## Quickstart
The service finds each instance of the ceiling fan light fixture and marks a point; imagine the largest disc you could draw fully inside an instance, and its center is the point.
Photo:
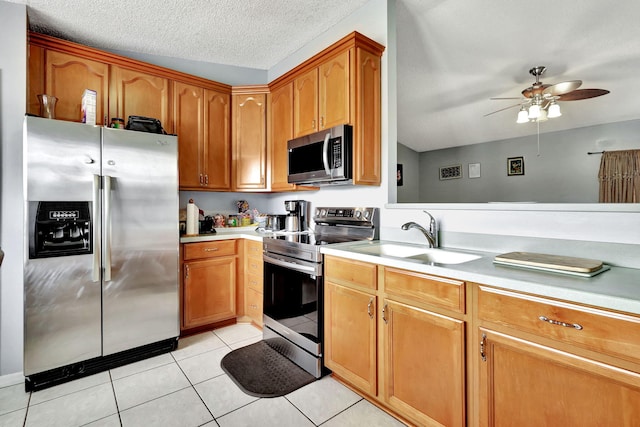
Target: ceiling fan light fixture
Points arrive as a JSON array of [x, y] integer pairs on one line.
[[534, 111], [543, 116], [554, 111], [523, 116]]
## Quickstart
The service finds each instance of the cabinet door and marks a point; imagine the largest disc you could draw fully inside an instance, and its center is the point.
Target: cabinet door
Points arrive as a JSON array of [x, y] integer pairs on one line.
[[350, 335], [35, 79], [217, 138], [424, 365], [305, 103], [67, 77], [526, 384], [188, 109], [281, 132], [366, 132], [209, 291], [254, 306], [250, 141], [334, 92], [141, 94]]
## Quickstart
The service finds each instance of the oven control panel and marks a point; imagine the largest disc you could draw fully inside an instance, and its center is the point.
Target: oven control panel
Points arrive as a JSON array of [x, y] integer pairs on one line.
[[344, 215]]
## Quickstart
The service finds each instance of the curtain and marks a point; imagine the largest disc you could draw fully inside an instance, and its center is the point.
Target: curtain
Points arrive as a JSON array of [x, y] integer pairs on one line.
[[619, 176]]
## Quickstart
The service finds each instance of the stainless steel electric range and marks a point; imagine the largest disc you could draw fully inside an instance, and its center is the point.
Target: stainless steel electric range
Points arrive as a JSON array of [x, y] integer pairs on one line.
[[294, 284]]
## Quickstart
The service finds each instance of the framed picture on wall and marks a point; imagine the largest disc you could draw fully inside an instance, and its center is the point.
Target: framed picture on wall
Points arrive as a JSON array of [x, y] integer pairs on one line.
[[515, 166], [399, 175], [450, 172]]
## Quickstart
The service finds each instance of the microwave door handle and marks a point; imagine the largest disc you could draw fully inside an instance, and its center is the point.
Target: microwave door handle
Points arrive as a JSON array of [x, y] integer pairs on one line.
[[325, 155]]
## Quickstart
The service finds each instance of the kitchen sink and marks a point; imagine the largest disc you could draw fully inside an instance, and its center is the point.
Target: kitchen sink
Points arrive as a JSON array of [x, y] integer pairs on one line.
[[415, 253]]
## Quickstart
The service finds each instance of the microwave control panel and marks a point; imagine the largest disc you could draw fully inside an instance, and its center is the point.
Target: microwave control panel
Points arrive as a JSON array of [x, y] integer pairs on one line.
[[336, 151]]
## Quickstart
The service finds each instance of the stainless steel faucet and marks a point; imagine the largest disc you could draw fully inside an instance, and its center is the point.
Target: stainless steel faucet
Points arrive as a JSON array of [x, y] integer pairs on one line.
[[431, 234]]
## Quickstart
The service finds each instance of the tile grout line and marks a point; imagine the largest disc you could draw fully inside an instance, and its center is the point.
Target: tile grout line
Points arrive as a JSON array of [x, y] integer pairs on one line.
[[194, 389], [115, 398]]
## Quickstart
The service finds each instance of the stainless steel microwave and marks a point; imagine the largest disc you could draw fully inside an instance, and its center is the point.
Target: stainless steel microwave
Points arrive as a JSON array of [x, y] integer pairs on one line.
[[322, 158]]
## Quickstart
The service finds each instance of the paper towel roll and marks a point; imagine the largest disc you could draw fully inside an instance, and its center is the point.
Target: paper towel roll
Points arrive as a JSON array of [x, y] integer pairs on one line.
[[193, 216]]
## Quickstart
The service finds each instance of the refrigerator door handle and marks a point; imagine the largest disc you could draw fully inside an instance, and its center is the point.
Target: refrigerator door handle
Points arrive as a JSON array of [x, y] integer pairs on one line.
[[106, 226], [95, 221]]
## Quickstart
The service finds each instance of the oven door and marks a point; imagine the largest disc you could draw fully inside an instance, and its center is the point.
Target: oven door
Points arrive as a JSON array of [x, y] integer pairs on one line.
[[293, 292]]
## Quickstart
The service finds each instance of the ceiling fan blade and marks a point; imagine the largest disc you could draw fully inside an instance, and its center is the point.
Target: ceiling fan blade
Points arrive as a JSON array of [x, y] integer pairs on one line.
[[562, 87], [577, 95], [502, 109]]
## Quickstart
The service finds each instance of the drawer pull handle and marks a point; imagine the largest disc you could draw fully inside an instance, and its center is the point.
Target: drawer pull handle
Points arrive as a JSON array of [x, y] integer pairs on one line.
[[370, 308], [211, 249], [559, 323], [384, 313], [483, 341]]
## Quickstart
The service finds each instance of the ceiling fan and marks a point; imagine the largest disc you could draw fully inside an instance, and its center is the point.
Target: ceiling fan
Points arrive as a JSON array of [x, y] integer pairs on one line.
[[539, 100]]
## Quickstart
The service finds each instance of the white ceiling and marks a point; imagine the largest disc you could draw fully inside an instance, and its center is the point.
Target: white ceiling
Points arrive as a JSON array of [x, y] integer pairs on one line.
[[453, 55]]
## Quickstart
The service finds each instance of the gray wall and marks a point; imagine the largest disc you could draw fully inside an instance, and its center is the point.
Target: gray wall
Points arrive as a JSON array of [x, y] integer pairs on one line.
[[13, 88], [409, 192], [563, 172]]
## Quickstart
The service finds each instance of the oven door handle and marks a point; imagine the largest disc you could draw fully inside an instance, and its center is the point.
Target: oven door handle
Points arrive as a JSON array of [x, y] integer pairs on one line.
[[292, 266]]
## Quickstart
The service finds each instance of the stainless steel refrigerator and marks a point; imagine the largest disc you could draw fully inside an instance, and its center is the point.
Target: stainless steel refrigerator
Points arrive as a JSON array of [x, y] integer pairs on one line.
[[102, 256]]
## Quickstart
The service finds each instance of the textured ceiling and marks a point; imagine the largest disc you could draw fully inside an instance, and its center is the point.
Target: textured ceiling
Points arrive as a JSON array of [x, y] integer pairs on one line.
[[247, 33], [453, 55]]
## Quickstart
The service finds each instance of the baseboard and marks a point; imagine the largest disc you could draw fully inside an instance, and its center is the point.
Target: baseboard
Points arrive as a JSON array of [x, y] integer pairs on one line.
[[11, 379]]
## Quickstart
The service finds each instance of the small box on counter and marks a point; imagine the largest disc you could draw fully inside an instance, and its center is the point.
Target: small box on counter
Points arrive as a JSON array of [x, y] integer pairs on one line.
[[89, 107]]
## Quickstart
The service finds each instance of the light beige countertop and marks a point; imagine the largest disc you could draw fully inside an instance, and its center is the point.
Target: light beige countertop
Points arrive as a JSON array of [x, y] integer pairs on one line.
[[616, 289], [224, 235]]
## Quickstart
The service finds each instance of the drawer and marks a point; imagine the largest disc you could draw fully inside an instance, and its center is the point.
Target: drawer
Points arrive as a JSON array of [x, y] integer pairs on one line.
[[350, 272], [209, 249], [254, 266], [254, 306], [423, 288], [255, 282], [598, 330], [253, 249]]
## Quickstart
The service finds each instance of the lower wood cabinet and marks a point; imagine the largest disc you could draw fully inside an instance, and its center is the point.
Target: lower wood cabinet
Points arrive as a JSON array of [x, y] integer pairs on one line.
[[350, 335], [441, 352], [548, 362], [209, 282], [408, 357], [253, 281], [424, 364], [523, 383]]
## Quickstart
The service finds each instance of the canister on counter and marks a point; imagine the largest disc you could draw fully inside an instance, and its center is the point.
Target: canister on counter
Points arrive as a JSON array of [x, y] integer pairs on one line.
[[232, 221], [117, 123]]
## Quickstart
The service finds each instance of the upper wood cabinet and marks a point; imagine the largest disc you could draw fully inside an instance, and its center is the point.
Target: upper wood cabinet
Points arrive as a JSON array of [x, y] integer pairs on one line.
[[341, 85], [281, 133], [366, 130], [334, 91], [202, 119], [136, 93], [322, 95], [250, 138], [305, 105], [66, 76], [188, 109]]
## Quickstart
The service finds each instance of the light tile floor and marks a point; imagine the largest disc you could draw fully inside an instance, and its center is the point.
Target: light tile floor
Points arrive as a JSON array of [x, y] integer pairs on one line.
[[185, 388]]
